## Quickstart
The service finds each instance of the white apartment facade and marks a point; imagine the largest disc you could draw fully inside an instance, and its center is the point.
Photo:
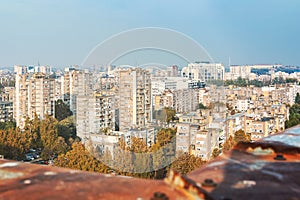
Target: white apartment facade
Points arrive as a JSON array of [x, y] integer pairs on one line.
[[204, 71], [95, 113], [33, 94]]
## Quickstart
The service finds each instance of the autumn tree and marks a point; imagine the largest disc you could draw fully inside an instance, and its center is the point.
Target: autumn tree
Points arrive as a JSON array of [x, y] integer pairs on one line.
[[81, 159], [216, 152], [165, 136], [186, 163], [170, 114], [14, 144], [239, 136]]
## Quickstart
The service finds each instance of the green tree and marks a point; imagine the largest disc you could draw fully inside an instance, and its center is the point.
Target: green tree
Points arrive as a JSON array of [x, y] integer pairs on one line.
[[294, 118], [7, 125], [297, 99], [51, 142], [67, 129], [201, 106], [62, 111]]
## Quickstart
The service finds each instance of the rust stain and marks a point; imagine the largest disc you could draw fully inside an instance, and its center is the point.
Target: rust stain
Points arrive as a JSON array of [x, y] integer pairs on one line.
[[191, 189], [260, 170]]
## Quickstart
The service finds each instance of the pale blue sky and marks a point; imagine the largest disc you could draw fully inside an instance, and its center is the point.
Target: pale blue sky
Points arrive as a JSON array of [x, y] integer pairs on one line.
[[62, 32]]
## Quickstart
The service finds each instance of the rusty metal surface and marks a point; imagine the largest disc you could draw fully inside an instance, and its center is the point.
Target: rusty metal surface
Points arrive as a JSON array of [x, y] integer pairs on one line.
[[267, 169], [30, 181]]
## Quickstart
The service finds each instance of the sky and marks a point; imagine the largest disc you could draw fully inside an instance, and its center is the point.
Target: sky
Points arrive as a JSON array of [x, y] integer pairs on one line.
[[63, 32]]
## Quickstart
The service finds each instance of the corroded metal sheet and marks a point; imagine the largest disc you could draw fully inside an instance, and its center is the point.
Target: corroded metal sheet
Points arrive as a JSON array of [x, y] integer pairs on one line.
[[267, 169]]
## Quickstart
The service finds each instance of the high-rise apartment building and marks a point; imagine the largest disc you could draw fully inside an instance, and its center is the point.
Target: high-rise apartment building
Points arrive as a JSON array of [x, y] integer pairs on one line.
[[75, 82], [95, 114], [68, 87], [34, 94], [133, 93]]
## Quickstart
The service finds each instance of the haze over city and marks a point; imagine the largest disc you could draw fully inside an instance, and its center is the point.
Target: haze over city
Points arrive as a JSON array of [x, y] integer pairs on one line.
[[62, 33], [159, 99]]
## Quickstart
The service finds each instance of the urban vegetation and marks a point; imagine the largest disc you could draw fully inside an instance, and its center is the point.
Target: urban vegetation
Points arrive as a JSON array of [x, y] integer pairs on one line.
[[48, 136], [62, 111], [294, 118], [129, 160], [242, 82], [165, 115]]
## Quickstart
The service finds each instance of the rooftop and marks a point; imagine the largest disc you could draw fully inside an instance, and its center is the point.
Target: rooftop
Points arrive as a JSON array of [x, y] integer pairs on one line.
[[267, 169]]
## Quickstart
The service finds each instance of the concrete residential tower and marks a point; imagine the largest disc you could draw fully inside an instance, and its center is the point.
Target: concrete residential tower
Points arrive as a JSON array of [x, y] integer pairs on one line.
[[133, 94]]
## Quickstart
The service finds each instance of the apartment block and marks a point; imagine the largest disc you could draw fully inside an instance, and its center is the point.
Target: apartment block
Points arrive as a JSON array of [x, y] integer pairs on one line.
[[133, 94], [160, 84], [95, 114], [204, 71], [190, 138], [6, 111], [109, 141], [186, 100], [34, 94]]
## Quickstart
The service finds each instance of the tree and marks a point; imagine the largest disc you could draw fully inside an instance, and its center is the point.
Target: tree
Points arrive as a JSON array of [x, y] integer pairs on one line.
[[7, 125], [62, 111], [216, 152], [170, 114], [67, 129], [79, 158], [239, 136], [294, 118], [186, 163], [14, 144], [165, 136], [297, 99], [228, 144], [201, 106], [291, 80]]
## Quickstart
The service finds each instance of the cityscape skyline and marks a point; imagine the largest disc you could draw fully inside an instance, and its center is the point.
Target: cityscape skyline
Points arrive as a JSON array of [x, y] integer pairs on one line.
[[161, 99], [63, 35]]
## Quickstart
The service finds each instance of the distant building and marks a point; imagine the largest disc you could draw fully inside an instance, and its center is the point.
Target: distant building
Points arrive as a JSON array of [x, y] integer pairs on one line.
[[160, 84], [183, 100], [204, 71], [237, 71]]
